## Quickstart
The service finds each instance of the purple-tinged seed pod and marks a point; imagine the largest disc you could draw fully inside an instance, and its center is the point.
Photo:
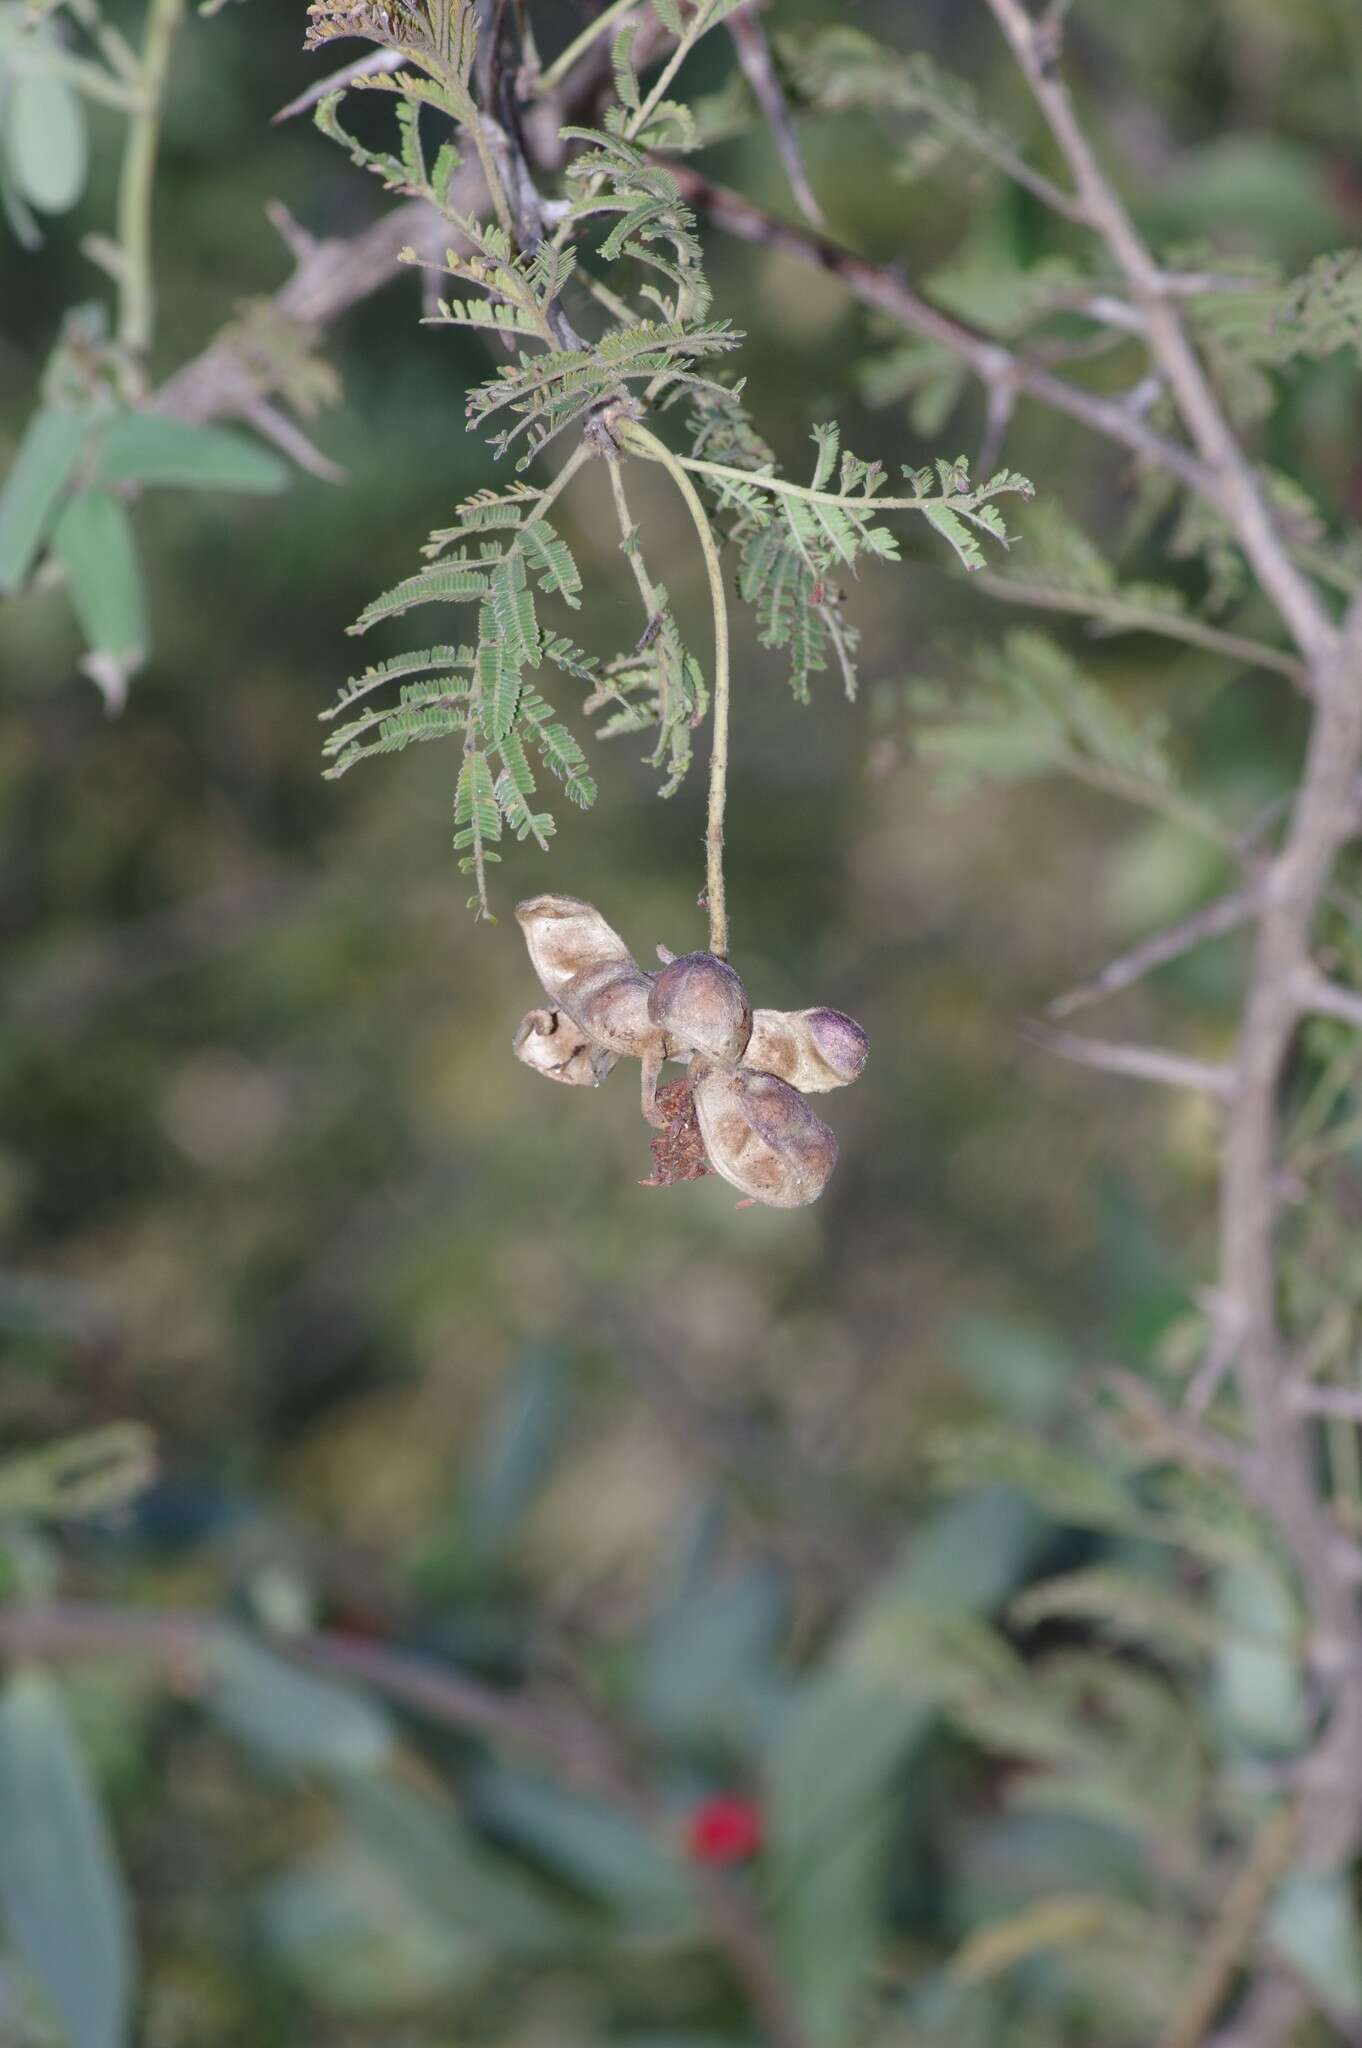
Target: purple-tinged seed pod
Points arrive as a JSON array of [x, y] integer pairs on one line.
[[813, 1050], [701, 1006], [761, 1135]]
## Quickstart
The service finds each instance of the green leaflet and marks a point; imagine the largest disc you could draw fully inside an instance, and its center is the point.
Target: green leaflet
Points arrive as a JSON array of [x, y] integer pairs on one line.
[[431, 586], [93, 541], [62, 1903], [45, 141], [32, 491], [477, 693], [622, 65], [147, 448]]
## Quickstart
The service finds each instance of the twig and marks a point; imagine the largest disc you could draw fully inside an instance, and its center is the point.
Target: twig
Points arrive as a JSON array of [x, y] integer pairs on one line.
[[1316, 993], [1323, 818], [1236, 489], [330, 277], [754, 55], [1235, 1926], [887, 291], [583, 1749], [1177, 1435], [372, 66], [290, 439], [1274, 2008], [1343, 1402], [1122, 617], [639, 441], [136, 305], [614, 15], [1140, 1062], [1211, 922]]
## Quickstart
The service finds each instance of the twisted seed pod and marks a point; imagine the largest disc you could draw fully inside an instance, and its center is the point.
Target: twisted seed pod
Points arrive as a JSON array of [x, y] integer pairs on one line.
[[567, 938], [554, 1046], [587, 970], [761, 1135], [701, 1006], [813, 1050]]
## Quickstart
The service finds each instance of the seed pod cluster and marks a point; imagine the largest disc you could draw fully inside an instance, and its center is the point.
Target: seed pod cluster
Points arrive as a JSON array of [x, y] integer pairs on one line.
[[744, 1115]]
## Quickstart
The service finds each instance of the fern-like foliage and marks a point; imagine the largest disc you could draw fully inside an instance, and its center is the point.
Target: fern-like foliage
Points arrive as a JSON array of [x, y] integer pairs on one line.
[[1060, 560], [843, 70], [794, 545], [613, 180], [657, 686], [499, 555], [1032, 711], [619, 252]]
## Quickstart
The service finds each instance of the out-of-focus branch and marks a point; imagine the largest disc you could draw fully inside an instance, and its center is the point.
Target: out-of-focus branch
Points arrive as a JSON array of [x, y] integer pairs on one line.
[[1211, 922], [1116, 615], [886, 290], [582, 1748], [329, 277], [1139, 1062], [1282, 984], [1237, 490], [758, 65], [1236, 1925]]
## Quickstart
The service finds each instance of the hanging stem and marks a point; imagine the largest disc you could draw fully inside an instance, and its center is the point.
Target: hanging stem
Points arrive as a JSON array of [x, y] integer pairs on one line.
[[136, 299], [577, 49], [639, 441]]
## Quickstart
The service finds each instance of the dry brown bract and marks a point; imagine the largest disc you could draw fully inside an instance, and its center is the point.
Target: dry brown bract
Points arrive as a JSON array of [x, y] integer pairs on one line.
[[740, 1112]]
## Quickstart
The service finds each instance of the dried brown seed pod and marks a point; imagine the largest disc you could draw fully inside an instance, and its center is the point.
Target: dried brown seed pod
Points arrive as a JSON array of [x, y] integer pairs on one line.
[[701, 1006], [567, 938], [610, 1002], [588, 971], [551, 1043], [813, 1050], [762, 1136]]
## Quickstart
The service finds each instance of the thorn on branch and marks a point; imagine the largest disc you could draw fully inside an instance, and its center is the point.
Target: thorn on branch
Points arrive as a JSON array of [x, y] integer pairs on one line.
[[290, 440], [299, 242], [1139, 1062], [1324, 998]]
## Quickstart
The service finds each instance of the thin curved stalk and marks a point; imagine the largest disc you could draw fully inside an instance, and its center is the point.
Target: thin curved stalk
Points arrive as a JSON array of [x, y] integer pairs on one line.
[[577, 49], [136, 299], [639, 441]]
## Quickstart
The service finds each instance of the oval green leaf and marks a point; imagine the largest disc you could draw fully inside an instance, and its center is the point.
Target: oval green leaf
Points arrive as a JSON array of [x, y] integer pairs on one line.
[[62, 1903], [93, 540], [292, 1716], [46, 142], [147, 448], [32, 491]]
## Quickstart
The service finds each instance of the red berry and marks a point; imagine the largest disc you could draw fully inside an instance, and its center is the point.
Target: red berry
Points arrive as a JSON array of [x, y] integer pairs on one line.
[[724, 1829]]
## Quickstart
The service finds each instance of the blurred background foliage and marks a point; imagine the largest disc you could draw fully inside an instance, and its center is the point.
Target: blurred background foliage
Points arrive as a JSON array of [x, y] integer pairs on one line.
[[425, 1366]]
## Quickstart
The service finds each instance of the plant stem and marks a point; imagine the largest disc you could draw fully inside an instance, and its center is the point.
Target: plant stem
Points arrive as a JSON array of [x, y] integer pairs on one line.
[[1114, 612], [859, 502], [92, 79], [638, 441], [628, 532], [579, 46], [638, 120], [137, 304]]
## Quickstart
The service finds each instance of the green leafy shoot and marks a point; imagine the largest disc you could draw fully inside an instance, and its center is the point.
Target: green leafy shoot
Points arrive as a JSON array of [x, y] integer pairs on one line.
[[500, 554], [1032, 711]]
